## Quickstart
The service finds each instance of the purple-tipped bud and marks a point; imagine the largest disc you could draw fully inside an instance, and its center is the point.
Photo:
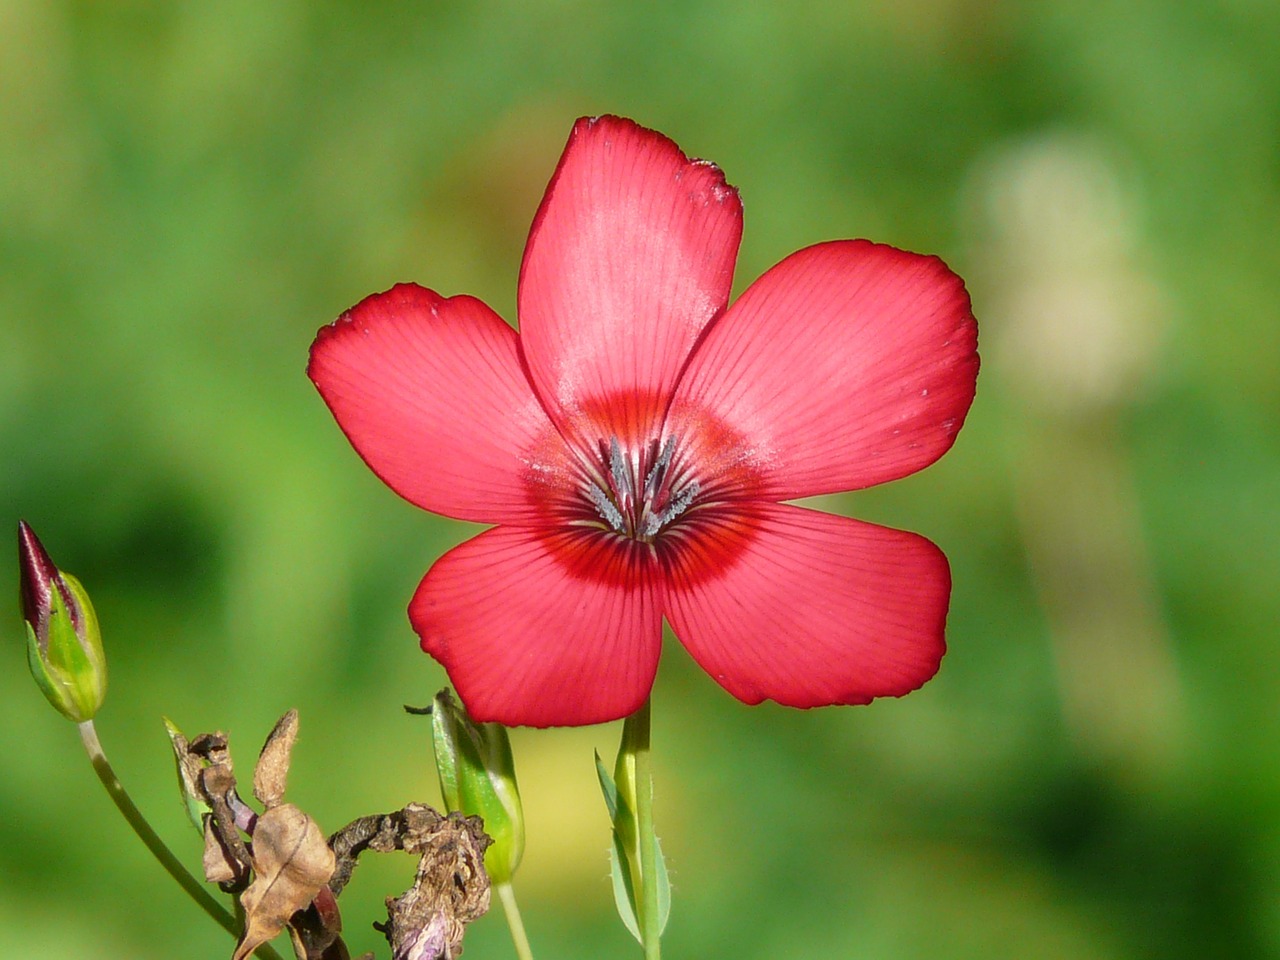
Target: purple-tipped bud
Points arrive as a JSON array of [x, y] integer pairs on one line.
[[64, 645]]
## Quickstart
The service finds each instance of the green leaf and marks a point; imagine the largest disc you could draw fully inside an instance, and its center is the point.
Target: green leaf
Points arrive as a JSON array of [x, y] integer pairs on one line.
[[624, 894], [664, 886], [608, 787], [624, 858]]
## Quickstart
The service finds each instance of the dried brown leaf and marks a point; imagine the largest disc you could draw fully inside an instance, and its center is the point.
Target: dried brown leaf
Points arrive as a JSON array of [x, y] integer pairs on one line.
[[317, 931], [218, 786], [291, 862], [218, 779], [272, 771], [220, 865], [451, 890], [213, 747]]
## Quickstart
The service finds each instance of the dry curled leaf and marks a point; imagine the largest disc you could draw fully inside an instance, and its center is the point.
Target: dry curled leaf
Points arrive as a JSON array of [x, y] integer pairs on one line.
[[214, 749], [291, 862], [220, 864], [217, 790], [272, 771], [380, 833], [451, 890], [317, 931]]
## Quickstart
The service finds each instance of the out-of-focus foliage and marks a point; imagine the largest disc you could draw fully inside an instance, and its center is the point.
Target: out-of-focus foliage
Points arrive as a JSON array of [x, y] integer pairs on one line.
[[187, 191]]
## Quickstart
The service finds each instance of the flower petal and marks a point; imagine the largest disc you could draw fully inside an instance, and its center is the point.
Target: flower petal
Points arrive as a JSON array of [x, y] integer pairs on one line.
[[543, 628], [431, 394], [813, 610], [847, 364], [630, 256]]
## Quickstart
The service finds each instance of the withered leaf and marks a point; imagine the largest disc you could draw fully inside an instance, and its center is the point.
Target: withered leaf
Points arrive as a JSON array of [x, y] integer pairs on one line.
[[291, 862], [272, 771], [317, 931], [218, 779], [451, 890], [213, 747], [220, 865]]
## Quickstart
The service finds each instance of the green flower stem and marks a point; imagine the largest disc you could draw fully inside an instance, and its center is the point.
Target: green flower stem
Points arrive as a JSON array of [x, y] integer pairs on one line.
[[507, 894], [120, 797], [635, 736]]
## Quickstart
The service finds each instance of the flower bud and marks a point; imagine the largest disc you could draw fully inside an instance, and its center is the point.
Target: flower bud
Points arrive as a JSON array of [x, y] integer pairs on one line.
[[64, 645], [478, 777]]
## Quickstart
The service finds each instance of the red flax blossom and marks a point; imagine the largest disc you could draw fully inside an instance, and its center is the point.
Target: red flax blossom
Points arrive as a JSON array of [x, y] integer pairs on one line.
[[634, 442]]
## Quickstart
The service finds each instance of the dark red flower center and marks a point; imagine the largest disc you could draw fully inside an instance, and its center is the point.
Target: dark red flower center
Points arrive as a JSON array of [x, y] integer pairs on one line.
[[637, 493], [657, 493]]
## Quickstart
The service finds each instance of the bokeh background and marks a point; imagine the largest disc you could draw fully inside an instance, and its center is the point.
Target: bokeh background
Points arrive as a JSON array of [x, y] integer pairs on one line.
[[188, 191]]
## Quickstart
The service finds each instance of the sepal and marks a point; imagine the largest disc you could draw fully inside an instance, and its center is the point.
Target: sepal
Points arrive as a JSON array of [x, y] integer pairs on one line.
[[478, 777]]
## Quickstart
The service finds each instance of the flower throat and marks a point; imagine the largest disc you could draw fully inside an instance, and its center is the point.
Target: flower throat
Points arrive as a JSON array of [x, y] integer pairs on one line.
[[635, 493]]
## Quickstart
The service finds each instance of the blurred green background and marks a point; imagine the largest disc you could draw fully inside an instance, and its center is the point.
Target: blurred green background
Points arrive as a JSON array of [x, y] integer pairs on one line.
[[187, 191]]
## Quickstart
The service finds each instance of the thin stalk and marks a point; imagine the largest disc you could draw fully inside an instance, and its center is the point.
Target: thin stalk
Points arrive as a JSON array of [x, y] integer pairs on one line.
[[507, 894], [638, 741], [120, 797]]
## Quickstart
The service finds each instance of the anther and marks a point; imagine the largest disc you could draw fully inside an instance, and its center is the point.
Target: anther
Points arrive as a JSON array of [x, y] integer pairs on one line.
[[629, 507], [654, 522], [622, 478], [605, 507]]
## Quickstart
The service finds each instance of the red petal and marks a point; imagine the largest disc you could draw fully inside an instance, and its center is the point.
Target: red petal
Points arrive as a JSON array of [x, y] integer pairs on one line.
[[543, 629], [847, 364], [813, 610], [431, 394], [630, 256]]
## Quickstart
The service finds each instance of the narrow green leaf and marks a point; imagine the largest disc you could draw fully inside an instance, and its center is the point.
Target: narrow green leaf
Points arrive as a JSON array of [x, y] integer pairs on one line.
[[664, 886], [624, 894], [624, 861], [608, 788]]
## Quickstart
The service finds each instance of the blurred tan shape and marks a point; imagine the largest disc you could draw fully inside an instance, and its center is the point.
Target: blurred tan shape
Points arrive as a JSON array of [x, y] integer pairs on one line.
[[1073, 324]]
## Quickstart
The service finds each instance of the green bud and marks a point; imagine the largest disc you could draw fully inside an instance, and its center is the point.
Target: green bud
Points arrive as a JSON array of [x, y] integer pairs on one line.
[[64, 645], [478, 777]]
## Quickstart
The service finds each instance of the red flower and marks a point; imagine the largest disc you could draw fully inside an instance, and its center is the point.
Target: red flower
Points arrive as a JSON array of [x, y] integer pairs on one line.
[[634, 442]]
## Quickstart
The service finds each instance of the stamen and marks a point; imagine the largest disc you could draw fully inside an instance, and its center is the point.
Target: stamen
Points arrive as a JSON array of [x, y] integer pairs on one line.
[[635, 510], [605, 507], [658, 472], [623, 482], [656, 521]]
